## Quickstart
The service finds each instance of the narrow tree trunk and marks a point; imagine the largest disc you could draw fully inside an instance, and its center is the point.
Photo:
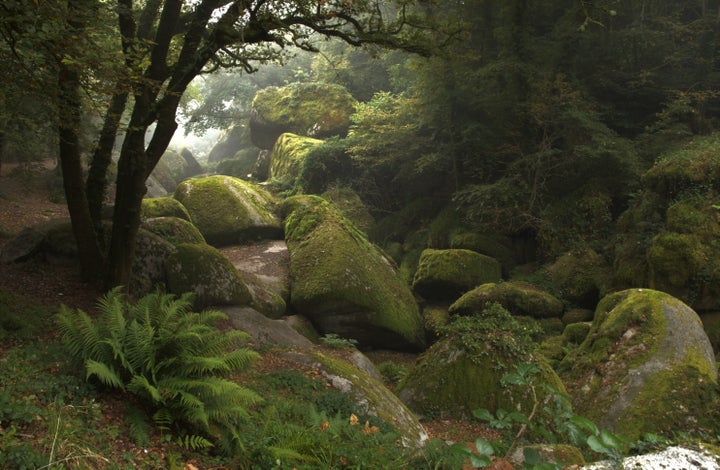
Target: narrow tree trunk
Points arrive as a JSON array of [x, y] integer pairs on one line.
[[128, 201], [90, 257]]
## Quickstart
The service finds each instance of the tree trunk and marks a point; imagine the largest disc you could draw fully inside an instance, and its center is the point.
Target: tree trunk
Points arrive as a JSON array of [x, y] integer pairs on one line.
[[90, 257]]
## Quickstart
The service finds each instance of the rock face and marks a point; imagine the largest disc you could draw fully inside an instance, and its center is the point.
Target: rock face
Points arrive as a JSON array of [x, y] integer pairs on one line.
[[645, 365], [148, 268], [446, 274], [205, 271], [343, 283], [520, 298], [228, 210], [308, 109]]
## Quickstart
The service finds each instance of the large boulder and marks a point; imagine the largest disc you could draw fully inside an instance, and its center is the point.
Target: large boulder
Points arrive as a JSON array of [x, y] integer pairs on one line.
[[463, 371], [581, 277], [202, 269], [520, 298], [148, 265], [447, 274], [646, 365], [228, 210], [343, 283], [287, 156], [310, 109]]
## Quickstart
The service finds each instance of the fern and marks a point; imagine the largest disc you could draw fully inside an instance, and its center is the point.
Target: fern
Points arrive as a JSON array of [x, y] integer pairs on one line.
[[194, 442], [170, 357]]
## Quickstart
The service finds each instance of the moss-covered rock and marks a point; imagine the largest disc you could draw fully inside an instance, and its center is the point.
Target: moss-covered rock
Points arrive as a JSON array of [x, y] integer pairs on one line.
[[463, 371], [577, 315], [562, 454], [228, 210], [174, 230], [490, 245], [576, 333], [202, 269], [149, 263], [310, 109], [343, 283], [520, 298], [288, 155], [166, 206], [446, 274], [371, 396], [645, 366], [674, 259], [435, 318], [580, 276]]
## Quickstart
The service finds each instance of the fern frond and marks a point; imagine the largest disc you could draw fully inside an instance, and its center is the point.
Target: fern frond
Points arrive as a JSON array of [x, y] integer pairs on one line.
[[240, 359], [163, 418], [139, 427], [104, 373], [140, 347], [79, 332], [194, 442], [140, 385]]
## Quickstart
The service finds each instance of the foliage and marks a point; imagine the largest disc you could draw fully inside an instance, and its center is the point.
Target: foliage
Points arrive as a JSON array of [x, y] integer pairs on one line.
[[332, 340], [557, 424], [21, 319], [170, 357], [494, 330]]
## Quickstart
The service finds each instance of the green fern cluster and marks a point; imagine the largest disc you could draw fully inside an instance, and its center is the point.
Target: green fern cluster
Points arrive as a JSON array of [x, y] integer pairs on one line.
[[169, 356]]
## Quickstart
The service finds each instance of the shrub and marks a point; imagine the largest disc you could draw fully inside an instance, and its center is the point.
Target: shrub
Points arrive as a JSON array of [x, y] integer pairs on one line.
[[170, 357]]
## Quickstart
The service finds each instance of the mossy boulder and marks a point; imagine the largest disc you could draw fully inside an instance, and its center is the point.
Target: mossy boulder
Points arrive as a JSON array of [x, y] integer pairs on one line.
[[166, 206], [674, 260], [646, 365], [463, 370], [581, 277], [202, 269], [371, 396], [576, 333], [491, 245], [287, 156], [343, 283], [311, 109], [148, 265], [174, 230], [446, 274], [229, 210], [520, 298]]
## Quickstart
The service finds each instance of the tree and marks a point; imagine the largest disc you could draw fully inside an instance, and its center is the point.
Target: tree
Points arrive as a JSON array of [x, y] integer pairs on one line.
[[165, 45]]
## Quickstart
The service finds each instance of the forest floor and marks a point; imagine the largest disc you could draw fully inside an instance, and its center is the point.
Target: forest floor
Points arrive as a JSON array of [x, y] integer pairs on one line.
[[25, 200]]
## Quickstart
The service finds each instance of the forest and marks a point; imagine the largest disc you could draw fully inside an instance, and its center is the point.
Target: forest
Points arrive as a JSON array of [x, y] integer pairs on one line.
[[511, 207]]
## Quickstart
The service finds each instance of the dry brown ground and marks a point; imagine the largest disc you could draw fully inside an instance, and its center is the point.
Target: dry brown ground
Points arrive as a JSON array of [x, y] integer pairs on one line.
[[25, 201]]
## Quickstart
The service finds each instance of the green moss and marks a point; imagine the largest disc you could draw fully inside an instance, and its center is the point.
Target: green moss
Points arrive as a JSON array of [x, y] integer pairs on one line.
[[486, 244], [636, 373], [205, 271], [372, 392], [334, 269], [228, 210], [576, 332], [163, 207], [694, 215], [518, 297], [300, 106], [449, 273], [577, 315], [174, 230], [435, 318], [288, 153], [463, 371], [580, 276], [351, 207], [567, 455]]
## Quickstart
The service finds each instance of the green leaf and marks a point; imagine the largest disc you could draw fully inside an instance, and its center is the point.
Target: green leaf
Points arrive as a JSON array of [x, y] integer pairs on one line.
[[532, 456], [611, 440], [480, 461], [484, 447], [483, 414], [596, 445], [585, 424], [518, 417]]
